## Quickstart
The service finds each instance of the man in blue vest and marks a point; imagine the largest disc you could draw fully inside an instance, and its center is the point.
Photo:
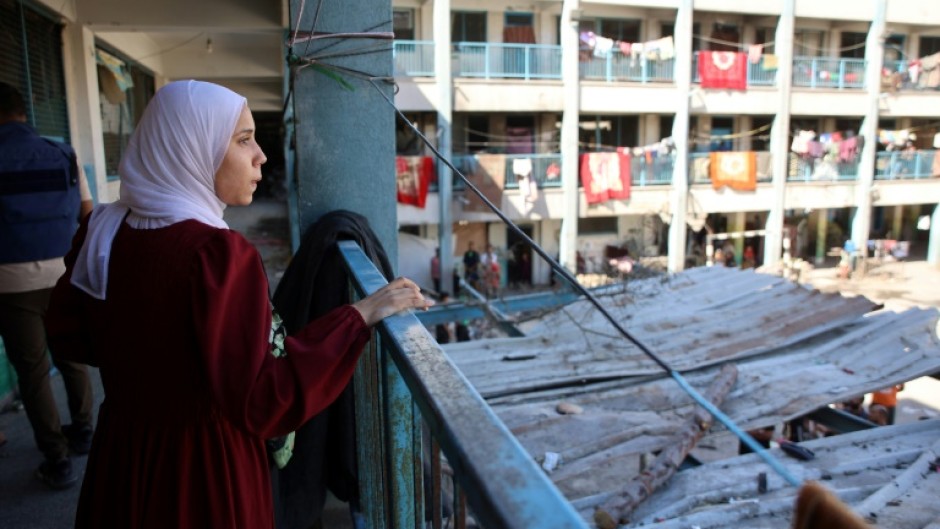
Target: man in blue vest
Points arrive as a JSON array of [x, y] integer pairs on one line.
[[42, 196]]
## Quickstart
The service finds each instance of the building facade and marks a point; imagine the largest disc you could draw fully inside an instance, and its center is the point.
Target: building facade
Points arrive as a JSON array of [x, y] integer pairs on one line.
[[827, 112]]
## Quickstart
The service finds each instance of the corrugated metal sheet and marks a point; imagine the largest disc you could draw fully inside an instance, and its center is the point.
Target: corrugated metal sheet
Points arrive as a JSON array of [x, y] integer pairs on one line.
[[885, 474], [796, 350]]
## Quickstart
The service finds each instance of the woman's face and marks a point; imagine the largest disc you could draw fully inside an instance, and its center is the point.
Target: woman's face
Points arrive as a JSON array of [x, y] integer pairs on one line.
[[240, 172]]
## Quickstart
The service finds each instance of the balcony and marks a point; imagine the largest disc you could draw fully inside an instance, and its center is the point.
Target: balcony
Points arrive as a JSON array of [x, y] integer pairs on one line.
[[904, 165], [486, 60], [803, 169], [619, 67], [828, 72], [412, 405], [413, 58]]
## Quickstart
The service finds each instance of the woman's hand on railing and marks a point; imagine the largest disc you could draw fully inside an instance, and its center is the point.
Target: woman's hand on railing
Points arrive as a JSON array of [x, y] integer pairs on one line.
[[394, 297]]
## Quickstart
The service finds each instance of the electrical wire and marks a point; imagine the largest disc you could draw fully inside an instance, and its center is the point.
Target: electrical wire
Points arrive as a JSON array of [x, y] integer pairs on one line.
[[171, 48]]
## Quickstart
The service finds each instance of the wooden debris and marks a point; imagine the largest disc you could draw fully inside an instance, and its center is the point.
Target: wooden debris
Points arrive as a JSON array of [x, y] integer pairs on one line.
[[617, 509]]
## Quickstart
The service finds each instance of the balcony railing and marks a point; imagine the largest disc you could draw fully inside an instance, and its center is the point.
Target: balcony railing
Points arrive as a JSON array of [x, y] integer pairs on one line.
[[901, 165], [805, 169], [828, 72], [405, 387], [413, 58], [619, 67], [507, 61], [646, 172]]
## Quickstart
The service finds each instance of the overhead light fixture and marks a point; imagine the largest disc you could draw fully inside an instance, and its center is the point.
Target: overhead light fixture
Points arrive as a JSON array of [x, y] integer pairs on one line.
[[209, 45]]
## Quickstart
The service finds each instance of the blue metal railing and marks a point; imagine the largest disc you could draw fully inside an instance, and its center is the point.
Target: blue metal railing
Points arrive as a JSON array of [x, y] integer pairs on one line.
[[413, 58], [509, 61], [616, 66], [405, 383], [655, 171], [805, 169], [828, 72], [904, 165]]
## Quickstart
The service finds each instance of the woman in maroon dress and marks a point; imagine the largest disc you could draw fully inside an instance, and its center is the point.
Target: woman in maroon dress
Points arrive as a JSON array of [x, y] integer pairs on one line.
[[173, 307]]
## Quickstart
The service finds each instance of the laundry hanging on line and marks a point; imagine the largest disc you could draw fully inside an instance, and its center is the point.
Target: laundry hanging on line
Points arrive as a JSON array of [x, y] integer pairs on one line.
[[737, 170], [605, 176], [723, 70], [413, 175]]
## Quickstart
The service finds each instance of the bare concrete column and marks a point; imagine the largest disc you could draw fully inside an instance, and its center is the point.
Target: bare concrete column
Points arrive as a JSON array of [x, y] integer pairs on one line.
[[445, 99], [779, 135], [81, 82], [874, 57], [571, 82], [680, 134]]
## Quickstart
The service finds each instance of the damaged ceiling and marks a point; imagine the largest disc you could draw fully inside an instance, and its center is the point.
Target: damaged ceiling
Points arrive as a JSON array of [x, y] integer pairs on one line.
[[795, 349]]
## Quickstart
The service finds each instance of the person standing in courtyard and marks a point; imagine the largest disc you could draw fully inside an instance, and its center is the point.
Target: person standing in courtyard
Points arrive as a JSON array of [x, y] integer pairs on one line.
[[43, 194], [173, 307], [888, 397]]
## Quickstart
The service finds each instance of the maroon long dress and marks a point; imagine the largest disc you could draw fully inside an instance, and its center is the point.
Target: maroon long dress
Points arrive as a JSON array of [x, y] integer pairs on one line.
[[191, 387]]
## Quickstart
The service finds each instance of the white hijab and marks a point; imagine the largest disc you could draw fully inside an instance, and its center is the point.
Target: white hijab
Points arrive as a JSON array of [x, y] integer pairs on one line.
[[167, 172]]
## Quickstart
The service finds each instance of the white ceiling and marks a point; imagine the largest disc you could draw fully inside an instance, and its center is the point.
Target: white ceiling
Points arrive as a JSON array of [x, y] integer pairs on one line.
[[171, 38]]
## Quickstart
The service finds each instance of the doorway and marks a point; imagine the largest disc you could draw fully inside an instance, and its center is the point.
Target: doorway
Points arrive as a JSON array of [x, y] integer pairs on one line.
[[519, 258]]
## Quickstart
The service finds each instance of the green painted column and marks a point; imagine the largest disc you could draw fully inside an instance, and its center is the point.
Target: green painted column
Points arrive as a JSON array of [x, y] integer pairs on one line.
[[345, 131]]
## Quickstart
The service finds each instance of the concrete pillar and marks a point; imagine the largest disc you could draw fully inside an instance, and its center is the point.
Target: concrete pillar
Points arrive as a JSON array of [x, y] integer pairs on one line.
[[897, 222], [874, 56], [445, 97], [335, 126], [745, 123], [546, 234], [738, 223], [680, 133], [571, 83], [545, 130], [651, 132], [933, 241], [822, 227], [780, 135], [81, 84]]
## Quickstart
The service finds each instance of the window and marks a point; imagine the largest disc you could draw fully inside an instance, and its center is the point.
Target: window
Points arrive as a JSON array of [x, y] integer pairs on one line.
[[514, 20], [520, 134], [478, 133], [669, 30], [619, 29], [724, 37], [765, 36], [599, 133], [761, 140], [894, 48], [403, 24], [125, 90], [928, 46], [597, 225], [41, 80], [852, 45], [468, 26]]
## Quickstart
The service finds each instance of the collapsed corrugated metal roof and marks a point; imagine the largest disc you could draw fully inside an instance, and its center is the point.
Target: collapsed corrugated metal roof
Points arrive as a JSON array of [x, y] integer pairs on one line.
[[796, 350]]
